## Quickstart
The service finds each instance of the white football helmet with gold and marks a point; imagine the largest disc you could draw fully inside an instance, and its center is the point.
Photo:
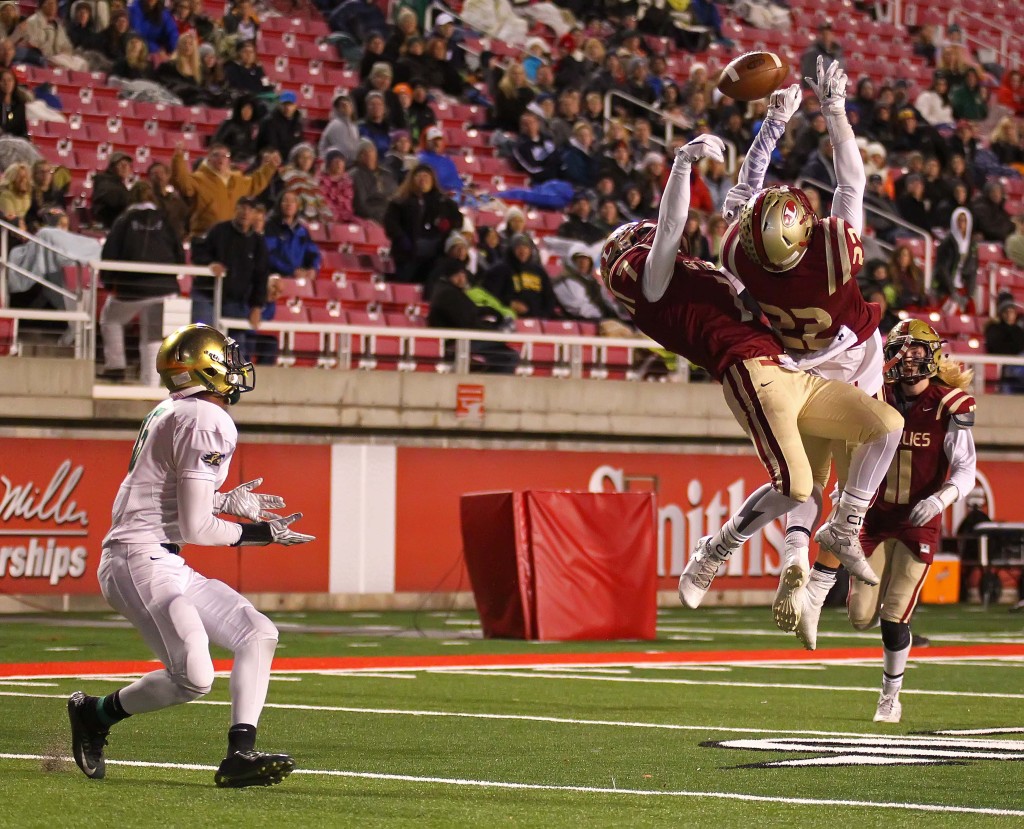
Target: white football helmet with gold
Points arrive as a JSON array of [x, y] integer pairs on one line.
[[200, 357]]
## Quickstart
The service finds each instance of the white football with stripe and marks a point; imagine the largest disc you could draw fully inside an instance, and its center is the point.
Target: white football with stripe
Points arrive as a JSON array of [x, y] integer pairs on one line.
[[753, 75]]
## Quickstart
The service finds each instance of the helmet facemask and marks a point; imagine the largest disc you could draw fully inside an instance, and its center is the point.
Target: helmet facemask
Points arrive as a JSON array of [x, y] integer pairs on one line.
[[904, 336], [624, 238]]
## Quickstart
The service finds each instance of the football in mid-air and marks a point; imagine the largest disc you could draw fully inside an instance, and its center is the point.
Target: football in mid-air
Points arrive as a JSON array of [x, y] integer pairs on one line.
[[753, 75]]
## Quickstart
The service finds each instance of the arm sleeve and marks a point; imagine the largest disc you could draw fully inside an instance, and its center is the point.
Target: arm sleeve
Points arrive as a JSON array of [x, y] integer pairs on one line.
[[751, 176], [848, 202], [675, 206], [959, 448], [196, 518]]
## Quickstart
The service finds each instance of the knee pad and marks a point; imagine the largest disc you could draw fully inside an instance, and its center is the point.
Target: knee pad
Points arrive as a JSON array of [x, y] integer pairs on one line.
[[895, 635], [259, 627]]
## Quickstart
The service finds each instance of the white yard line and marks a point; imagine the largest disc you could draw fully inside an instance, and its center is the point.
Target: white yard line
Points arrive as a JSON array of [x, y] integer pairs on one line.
[[498, 784], [474, 715]]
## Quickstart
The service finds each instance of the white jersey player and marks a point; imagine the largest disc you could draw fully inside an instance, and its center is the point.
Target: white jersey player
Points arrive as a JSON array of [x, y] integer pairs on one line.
[[169, 498]]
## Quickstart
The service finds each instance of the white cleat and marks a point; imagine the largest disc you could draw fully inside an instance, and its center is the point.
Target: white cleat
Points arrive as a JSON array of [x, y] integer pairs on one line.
[[699, 572], [807, 621], [889, 709], [846, 547], [788, 605]]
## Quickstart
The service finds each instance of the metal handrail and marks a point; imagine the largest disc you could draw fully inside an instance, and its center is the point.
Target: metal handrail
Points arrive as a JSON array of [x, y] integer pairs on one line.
[[670, 125], [892, 217], [1007, 59]]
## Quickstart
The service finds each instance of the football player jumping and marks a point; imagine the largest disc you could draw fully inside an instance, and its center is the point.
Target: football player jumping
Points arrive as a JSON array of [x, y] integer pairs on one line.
[[167, 499], [801, 271], [933, 469], [692, 308]]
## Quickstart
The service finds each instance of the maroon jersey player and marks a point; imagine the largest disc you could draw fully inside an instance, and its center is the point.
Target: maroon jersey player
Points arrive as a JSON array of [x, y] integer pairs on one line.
[[801, 271], [933, 468], [693, 309]]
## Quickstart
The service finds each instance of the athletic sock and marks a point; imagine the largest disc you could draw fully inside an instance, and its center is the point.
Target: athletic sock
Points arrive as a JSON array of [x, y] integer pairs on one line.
[[762, 507], [891, 684], [849, 516], [822, 580], [109, 709], [241, 737]]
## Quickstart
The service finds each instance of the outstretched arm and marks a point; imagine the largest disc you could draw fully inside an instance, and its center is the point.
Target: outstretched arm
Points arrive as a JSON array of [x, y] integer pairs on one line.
[[781, 106], [672, 215], [848, 202]]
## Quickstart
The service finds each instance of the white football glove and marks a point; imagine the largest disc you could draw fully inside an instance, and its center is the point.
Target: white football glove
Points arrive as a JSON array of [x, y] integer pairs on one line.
[[282, 535], [926, 510], [782, 103], [242, 502], [737, 196], [830, 87], [703, 146]]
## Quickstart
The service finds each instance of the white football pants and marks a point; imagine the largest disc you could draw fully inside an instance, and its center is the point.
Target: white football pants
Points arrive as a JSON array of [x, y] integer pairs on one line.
[[179, 612]]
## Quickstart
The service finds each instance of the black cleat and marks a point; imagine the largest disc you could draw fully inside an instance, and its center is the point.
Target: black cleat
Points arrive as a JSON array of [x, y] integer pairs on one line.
[[88, 737], [253, 768]]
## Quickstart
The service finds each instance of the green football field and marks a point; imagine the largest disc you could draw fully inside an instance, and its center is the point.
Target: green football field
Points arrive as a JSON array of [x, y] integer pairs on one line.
[[402, 719]]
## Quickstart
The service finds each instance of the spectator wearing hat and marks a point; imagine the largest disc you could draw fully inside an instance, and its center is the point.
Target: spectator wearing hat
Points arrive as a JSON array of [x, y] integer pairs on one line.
[[154, 21], [372, 185], [342, 131], [418, 220], [291, 251], [380, 81], [214, 187], [297, 177], [412, 65], [245, 73], [969, 99], [653, 177], [990, 217], [955, 276], [238, 256], [400, 158], [1005, 336], [934, 103], [451, 307], [168, 199], [912, 205], [433, 154], [579, 165], [240, 132], [282, 127], [912, 136], [537, 53], [374, 125], [140, 234], [373, 52], [110, 189], [456, 252], [515, 222], [336, 186], [826, 47], [534, 152], [521, 282], [446, 29], [242, 20]]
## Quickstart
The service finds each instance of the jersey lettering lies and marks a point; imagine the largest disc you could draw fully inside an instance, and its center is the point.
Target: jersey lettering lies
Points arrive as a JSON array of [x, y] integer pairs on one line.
[[810, 302], [700, 317]]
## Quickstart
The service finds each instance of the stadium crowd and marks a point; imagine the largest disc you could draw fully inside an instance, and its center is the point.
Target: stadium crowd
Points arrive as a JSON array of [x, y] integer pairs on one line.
[[936, 158]]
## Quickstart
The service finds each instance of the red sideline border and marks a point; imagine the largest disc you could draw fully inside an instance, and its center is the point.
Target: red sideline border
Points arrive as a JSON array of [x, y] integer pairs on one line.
[[518, 660]]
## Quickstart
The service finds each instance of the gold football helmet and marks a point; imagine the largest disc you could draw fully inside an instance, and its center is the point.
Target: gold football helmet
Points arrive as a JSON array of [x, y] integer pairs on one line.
[[904, 335], [200, 356], [776, 227], [623, 238]]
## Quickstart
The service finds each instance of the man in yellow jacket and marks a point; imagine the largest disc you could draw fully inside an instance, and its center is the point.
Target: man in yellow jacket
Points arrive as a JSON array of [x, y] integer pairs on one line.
[[214, 188]]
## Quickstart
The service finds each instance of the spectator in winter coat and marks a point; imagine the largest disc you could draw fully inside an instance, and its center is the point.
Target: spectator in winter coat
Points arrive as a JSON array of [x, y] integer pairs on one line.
[[214, 188], [579, 163], [290, 249], [110, 189], [44, 31], [521, 282], [282, 128], [934, 104], [341, 132], [244, 73], [81, 28], [578, 225], [239, 133], [242, 20], [372, 185], [912, 205], [582, 296], [13, 119], [154, 21], [968, 99], [418, 220], [140, 234], [297, 177], [136, 64], [511, 98], [956, 263], [336, 186], [990, 216], [1005, 336], [375, 125], [444, 168]]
